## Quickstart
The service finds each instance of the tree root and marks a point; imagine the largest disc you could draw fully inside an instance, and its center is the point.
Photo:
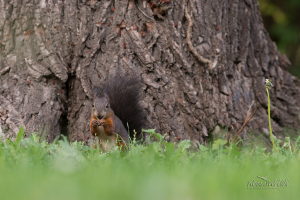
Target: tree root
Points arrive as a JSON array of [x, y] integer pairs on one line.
[[188, 39]]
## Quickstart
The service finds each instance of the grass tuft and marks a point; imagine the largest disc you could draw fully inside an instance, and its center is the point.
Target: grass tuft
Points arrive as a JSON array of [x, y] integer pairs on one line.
[[30, 169]]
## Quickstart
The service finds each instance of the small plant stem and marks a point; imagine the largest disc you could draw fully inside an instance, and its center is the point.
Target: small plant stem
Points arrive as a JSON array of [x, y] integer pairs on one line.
[[269, 115]]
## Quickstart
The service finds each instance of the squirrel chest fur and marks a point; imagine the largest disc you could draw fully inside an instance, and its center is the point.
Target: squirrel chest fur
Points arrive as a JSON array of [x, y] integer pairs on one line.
[[116, 105]]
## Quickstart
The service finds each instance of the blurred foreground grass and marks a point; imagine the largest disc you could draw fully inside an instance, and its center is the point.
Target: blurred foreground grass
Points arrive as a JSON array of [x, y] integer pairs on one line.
[[33, 170]]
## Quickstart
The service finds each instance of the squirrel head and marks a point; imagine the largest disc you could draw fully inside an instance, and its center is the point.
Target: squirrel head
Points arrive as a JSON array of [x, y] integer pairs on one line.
[[101, 106]]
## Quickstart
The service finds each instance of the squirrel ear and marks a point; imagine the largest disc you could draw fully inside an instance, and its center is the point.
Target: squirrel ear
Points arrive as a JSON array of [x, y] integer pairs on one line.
[[105, 94], [96, 92]]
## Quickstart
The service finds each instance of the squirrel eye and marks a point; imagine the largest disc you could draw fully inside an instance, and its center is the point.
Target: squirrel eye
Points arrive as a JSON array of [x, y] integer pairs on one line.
[[93, 105], [107, 105]]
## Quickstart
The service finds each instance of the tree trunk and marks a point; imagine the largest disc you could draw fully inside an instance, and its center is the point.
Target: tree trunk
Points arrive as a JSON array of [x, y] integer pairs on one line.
[[202, 63]]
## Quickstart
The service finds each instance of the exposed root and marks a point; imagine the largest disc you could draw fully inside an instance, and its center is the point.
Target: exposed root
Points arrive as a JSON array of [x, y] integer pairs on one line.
[[188, 39]]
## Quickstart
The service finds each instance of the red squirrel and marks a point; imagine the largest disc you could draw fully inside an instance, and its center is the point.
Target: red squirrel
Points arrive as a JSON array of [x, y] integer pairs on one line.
[[117, 111]]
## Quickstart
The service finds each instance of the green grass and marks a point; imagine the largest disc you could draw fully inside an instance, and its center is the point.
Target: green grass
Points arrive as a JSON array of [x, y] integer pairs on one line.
[[36, 170]]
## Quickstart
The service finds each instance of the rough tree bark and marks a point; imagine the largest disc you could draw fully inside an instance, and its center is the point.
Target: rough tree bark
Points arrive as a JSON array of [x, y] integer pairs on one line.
[[52, 51]]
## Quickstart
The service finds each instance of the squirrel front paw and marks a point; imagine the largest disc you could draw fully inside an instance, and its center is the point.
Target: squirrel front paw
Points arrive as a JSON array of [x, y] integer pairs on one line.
[[95, 123], [101, 122]]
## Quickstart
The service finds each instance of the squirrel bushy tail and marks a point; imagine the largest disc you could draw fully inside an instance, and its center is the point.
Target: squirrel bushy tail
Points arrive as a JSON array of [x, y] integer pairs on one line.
[[124, 93]]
